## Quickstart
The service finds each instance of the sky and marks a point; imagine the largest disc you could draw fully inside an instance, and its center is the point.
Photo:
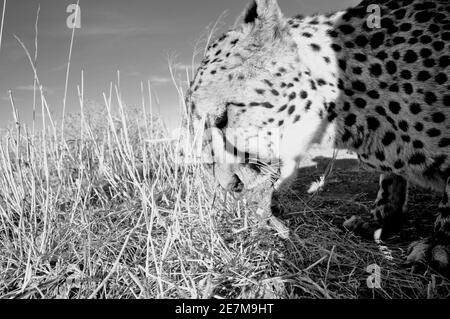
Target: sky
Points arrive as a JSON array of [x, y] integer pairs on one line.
[[135, 37]]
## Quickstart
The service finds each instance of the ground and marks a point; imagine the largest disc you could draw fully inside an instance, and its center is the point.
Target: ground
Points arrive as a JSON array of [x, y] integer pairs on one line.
[[321, 259], [350, 190]]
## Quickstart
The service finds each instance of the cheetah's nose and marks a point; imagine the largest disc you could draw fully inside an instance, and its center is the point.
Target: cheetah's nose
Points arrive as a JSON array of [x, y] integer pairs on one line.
[[232, 184], [237, 185], [228, 180]]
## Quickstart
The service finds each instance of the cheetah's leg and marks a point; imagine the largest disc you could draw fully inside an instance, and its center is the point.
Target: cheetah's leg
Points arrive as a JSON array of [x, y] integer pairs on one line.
[[436, 249], [288, 170], [388, 211]]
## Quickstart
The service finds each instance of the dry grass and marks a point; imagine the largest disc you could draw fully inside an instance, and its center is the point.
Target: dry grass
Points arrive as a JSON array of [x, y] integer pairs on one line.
[[104, 209], [109, 215]]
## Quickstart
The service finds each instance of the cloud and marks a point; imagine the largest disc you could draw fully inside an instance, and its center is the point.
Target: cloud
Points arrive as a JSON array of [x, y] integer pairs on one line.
[[134, 74], [4, 97], [62, 66], [105, 31], [155, 79], [118, 26], [183, 67], [15, 53], [31, 88], [160, 79]]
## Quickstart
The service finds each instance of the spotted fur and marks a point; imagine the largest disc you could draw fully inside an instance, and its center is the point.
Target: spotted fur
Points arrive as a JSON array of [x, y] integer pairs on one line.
[[383, 93]]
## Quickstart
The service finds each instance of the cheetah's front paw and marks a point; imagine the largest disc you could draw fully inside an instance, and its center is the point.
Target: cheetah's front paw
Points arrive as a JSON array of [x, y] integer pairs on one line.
[[362, 228], [429, 251]]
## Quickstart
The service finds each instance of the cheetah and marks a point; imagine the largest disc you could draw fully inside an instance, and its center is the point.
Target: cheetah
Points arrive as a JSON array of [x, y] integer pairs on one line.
[[374, 78]]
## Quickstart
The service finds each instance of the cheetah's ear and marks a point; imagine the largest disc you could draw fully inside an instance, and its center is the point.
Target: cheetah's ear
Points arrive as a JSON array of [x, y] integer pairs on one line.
[[264, 12]]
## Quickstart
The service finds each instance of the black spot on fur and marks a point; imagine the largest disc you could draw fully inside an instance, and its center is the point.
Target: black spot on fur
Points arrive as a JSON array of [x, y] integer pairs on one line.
[[336, 47], [284, 107], [359, 86], [444, 142], [419, 127], [388, 138], [394, 107], [380, 110], [349, 92], [418, 144], [268, 83], [441, 78], [350, 120], [360, 57], [423, 16], [361, 41], [391, 67], [291, 109], [408, 88], [417, 159], [425, 53], [438, 45], [376, 70], [332, 116], [406, 74], [357, 70], [360, 103], [267, 105], [397, 41], [415, 108], [444, 61], [446, 100], [377, 40], [430, 98], [423, 76], [438, 117], [382, 55], [346, 29], [405, 27], [425, 39], [304, 94], [399, 164], [403, 125], [332, 33], [380, 156], [406, 138], [410, 56], [315, 47], [373, 94], [308, 105], [373, 123], [433, 132], [429, 63]]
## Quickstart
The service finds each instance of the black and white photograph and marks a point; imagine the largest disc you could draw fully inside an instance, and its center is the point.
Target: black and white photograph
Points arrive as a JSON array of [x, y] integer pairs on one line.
[[225, 156]]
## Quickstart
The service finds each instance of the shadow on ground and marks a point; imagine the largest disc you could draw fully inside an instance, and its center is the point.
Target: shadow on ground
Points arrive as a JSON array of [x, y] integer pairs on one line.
[[351, 190], [315, 222]]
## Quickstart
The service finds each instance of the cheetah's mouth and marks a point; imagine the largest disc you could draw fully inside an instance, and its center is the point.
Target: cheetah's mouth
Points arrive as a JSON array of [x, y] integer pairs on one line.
[[248, 174], [239, 177]]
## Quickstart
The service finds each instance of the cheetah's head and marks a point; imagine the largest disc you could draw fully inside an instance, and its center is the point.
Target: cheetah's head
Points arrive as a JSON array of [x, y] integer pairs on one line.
[[244, 89]]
